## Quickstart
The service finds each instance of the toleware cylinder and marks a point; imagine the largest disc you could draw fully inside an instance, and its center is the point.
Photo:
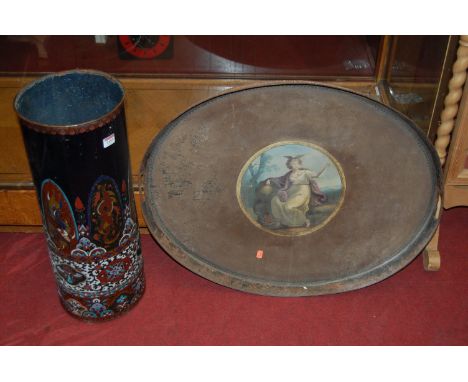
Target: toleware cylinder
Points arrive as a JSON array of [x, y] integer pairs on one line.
[[74, 131]]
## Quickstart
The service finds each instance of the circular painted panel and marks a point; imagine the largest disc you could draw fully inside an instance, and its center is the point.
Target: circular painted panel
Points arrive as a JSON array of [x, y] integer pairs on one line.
[[291, 189]]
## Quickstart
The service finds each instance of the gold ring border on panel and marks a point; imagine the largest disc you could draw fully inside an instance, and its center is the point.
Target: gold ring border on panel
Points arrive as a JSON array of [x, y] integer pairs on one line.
[[296, 142]]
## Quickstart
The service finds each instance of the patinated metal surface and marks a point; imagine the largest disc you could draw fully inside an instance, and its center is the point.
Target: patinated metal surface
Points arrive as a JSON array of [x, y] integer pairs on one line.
[[384, 216]]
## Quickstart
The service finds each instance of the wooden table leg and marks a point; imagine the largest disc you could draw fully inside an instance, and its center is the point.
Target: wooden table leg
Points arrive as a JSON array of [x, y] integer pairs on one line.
[[431, 255]]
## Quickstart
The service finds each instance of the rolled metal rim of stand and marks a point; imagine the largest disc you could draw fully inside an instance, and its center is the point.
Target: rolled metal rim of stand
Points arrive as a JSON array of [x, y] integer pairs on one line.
[[26, 103], [348, 196]]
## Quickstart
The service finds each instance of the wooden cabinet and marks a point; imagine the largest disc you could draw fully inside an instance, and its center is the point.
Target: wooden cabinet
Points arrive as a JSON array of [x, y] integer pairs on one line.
[[401, 72], [456, 172], [452, 134]]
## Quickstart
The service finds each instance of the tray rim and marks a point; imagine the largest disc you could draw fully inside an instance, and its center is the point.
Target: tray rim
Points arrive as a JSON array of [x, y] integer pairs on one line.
[[274, 288]]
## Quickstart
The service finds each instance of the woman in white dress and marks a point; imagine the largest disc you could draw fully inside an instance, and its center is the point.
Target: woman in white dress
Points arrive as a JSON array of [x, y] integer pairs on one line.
[[298, 192]]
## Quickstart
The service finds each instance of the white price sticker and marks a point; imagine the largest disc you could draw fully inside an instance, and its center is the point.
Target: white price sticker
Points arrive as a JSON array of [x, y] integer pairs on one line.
[[108, 141]]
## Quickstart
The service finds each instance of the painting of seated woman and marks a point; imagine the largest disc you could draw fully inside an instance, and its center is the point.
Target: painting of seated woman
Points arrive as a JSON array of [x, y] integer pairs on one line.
[[291, 188]]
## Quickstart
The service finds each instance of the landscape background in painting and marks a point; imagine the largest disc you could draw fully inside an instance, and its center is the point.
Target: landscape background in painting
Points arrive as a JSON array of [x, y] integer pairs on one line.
[[271, 162]]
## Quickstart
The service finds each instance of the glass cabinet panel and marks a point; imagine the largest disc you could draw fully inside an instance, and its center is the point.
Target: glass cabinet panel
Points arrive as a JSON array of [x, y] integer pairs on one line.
[[415, 78], [199, 56]]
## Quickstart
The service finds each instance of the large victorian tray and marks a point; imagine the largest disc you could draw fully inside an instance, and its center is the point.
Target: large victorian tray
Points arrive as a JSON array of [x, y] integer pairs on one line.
[[291, 189]]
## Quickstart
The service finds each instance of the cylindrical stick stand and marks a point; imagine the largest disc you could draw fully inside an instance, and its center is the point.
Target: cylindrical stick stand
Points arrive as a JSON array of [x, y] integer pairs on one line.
[[74, 131]]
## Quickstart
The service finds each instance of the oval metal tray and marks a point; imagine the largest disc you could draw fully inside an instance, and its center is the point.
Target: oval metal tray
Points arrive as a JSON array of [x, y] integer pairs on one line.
[[292, 189]]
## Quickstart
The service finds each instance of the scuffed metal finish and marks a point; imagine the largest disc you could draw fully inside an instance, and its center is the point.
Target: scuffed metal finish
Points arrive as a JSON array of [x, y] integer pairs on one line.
[[388, 216]]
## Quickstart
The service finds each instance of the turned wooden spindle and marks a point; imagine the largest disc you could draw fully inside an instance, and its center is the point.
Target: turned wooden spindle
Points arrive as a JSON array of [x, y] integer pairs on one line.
[[431, 255], [452, 99]]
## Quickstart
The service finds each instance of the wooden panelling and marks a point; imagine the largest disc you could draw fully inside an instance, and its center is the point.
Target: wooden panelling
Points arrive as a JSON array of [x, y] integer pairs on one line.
[[20, 208], [13, 161], [150, 105]]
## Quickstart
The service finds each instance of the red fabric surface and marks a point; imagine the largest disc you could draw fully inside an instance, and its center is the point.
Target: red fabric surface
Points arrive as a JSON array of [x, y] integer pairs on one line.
[[413, 307]]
